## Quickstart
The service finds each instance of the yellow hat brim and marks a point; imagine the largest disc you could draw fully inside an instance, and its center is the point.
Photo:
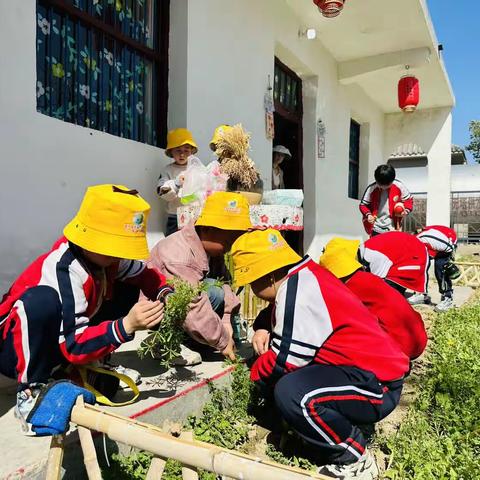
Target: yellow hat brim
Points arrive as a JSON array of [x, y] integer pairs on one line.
[[224, 222], [168, 151], [264, 265], [113, 245]]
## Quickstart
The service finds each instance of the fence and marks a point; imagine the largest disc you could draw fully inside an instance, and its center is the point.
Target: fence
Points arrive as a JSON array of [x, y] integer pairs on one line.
[[190, 453]]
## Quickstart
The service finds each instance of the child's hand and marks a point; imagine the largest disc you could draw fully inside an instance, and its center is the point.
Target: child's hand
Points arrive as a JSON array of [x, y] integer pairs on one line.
[[229, 350], [371, 219], [261, 341], [144, 315]]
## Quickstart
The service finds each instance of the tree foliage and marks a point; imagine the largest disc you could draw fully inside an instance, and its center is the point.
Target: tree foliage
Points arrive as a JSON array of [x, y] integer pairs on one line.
[[474, 146]]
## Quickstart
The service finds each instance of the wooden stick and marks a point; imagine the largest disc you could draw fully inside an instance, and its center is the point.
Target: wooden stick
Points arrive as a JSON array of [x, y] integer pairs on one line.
[[55, 458], [156, 469], [187, 472], [192, 453], [88, 448]]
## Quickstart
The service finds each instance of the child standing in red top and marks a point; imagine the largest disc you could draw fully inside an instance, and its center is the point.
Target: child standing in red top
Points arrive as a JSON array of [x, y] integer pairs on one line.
[[329, 363], [385, 202]]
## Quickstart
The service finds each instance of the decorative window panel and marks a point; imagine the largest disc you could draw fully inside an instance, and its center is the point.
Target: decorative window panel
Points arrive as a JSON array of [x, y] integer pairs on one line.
[[287, 88], [102, 64]]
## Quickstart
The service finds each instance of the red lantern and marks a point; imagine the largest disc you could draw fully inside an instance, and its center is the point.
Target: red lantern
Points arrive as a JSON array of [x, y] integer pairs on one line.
[[329, 8], [408, 93]]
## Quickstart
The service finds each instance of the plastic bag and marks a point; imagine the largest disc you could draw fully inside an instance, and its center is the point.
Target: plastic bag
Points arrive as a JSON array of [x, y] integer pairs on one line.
[[200, 181]]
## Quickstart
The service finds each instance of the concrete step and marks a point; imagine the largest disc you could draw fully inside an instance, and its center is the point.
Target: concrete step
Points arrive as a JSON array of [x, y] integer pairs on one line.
[[165, 396]]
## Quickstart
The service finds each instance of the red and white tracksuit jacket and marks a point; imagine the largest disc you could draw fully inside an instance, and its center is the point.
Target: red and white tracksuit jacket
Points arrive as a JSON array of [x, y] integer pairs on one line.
[[81, 295], [370, 202], [399, 257], [438, 239], [395, 315], [318, 320]]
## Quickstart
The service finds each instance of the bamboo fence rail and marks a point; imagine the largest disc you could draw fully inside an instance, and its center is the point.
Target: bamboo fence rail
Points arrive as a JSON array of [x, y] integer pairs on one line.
[[190, 453]]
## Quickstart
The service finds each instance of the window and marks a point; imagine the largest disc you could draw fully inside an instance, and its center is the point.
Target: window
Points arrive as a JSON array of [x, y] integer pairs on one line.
[[287, 90], [354, 160], [102, 64]]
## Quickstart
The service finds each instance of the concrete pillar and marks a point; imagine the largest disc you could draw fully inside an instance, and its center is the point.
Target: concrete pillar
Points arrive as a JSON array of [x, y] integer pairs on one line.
[[439, 170]]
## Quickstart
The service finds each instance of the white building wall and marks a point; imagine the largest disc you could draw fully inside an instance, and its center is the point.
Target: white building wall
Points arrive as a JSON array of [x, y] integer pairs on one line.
[[431, 130], [231, 50], [220, 59], [46, 164]]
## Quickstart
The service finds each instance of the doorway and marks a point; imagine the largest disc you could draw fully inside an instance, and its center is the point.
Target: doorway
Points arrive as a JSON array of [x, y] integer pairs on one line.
[[288, 117]]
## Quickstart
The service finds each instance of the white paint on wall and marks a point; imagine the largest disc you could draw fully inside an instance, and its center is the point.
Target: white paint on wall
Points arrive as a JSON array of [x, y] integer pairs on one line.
[[221, 54], [431, 130]]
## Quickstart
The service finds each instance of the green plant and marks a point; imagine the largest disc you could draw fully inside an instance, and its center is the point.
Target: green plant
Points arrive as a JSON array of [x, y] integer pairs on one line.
[[164, 343], [292, 461], [225, 419], [440, 438]]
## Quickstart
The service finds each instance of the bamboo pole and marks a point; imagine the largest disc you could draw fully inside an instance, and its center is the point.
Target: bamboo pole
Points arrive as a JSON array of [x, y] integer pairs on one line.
[[156, 469], [88, 448], [187, 472], [192, 453], [55, 458]]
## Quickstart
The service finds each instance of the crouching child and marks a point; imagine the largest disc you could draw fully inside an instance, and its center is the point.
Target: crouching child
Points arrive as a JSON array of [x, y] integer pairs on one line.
[[330, 365], [79, 302], [186, 254]]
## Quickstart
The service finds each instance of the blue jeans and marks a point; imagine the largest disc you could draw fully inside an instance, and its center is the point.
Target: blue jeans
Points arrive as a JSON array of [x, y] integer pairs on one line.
[[216, 296]]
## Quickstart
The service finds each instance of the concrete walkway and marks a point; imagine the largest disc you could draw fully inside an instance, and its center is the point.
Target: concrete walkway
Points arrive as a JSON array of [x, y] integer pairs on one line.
[[164, 396]]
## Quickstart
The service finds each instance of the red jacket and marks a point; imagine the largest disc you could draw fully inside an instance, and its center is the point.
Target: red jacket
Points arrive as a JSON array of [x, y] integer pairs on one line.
[[438, 239], [318, 320], [394, 313], [399, 257], [63, 270], [371, 200]]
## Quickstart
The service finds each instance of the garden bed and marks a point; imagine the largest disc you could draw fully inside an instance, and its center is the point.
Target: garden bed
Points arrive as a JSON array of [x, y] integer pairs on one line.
[[433, 434]]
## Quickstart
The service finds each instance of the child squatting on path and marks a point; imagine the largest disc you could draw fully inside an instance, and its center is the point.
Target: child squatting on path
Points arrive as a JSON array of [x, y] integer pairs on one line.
[[399, 258], [180, 145], [186, 254], [330, 364], [441, 243], [395, 315], [79, 302]]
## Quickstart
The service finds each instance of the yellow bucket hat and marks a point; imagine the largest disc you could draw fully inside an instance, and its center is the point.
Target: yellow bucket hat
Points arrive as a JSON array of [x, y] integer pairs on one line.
[[177, 138], [258, 253], [112, 220], [340, 257], [216, 135], [226, 211]]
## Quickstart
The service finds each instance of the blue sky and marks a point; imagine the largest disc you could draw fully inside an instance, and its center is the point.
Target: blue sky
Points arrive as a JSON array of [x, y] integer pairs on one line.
[[457, 25]]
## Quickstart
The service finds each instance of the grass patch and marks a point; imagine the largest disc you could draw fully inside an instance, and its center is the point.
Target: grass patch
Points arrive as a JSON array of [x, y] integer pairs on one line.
[[440, 438]]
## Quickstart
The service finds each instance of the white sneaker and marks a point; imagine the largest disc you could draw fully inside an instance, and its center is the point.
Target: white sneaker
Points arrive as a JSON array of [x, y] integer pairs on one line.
[[25, 404], [417, 299], [129, 372], [187, 358], [364, 469], [444, 305]]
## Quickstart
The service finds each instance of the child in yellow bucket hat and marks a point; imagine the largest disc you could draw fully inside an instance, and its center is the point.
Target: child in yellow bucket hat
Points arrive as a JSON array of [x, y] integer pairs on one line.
[[395, 315], [188, 254], [79, 302], [180, 145], [326, 359]]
